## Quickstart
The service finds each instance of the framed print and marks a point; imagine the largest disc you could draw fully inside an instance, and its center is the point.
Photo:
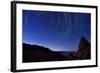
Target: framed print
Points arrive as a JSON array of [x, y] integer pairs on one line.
[[47, 36]]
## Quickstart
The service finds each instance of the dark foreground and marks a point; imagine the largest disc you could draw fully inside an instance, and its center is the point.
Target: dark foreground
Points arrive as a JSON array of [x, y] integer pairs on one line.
[[35, 53]]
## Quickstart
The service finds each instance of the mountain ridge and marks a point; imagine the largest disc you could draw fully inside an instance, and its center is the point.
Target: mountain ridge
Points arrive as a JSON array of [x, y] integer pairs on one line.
[[37, 53]]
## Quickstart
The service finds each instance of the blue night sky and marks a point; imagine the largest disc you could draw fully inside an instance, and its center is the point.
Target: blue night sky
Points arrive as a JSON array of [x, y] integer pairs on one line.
[[59, 31]]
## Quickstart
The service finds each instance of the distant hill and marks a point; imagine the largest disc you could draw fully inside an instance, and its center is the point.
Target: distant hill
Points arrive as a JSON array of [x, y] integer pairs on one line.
[[36, 53]]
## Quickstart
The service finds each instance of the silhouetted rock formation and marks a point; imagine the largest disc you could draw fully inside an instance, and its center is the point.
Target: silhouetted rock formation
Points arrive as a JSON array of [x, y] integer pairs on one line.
[[84, 51], [35, 53]]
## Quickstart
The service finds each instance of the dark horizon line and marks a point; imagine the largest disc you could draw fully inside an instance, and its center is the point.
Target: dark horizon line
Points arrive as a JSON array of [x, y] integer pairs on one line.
[[47, 47]]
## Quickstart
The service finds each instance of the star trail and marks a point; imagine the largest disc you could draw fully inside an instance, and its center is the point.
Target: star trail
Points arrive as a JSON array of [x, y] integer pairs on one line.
[[59, 31]]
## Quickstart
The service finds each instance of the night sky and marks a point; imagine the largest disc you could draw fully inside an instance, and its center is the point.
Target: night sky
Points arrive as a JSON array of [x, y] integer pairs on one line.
[[59, 31]]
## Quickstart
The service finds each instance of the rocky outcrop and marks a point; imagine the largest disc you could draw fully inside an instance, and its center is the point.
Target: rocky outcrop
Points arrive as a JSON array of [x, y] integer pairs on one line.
[[84, 51]]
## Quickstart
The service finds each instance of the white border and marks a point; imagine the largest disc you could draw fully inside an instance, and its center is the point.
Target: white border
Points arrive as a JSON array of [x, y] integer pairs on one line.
[[37, 65]]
